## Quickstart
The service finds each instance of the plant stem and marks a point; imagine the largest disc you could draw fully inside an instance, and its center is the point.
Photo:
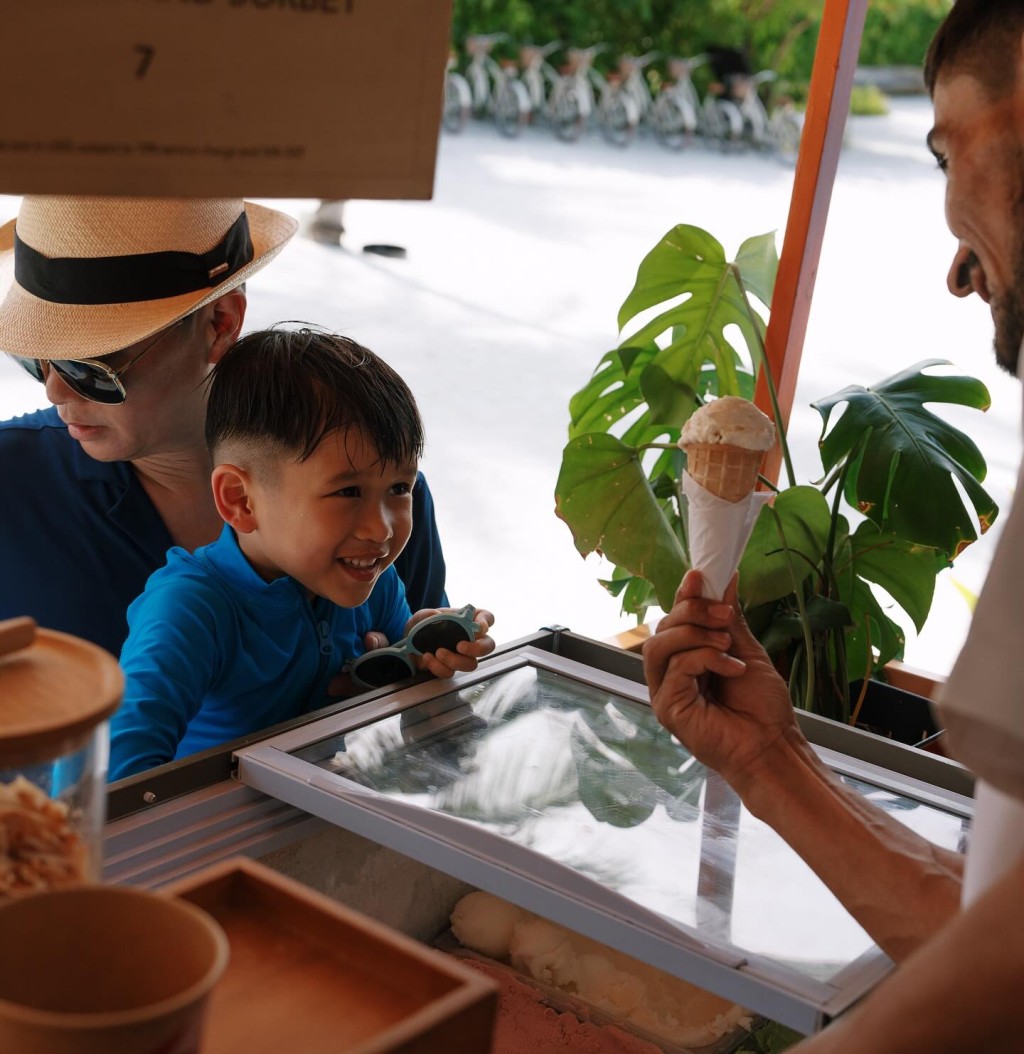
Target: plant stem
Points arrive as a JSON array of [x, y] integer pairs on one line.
[[805, 625]]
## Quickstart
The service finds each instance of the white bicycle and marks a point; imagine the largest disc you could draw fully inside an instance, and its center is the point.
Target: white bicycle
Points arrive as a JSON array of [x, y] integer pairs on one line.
[[538, 76], [495, 89], [677, 115], [634, 82], [581, 92], [458, 99]]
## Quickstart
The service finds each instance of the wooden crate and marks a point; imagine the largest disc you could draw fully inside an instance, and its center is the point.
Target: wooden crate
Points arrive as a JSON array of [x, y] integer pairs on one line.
[[308, 974]]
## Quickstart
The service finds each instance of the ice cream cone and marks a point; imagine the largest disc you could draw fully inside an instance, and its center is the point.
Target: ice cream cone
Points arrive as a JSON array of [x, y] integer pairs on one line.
[[728, 471]]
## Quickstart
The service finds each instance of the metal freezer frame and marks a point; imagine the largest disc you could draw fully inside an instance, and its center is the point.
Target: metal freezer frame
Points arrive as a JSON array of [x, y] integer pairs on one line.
[[543, 885]]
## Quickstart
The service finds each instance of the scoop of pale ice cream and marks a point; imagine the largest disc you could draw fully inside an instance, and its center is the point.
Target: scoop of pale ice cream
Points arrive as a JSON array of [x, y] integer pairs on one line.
[[606, 985], [486, 923], [625, 988], [731, 420], [545, 952]]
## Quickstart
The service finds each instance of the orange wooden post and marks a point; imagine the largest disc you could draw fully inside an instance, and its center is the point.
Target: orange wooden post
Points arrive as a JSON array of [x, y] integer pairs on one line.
[[835, 60]]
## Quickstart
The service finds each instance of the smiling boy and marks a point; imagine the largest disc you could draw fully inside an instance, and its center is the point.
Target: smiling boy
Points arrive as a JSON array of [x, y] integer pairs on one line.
[[316, 443]]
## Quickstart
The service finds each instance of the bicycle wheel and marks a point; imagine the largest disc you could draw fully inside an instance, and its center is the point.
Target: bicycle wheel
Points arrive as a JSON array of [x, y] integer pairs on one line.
[[672, 127], [457, 102], [730, 125], [619, 119], [511, 108], [786, 132], [567, 116]]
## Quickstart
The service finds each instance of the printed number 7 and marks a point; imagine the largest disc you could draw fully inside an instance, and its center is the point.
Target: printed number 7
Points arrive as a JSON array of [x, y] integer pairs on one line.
[[147, 52]]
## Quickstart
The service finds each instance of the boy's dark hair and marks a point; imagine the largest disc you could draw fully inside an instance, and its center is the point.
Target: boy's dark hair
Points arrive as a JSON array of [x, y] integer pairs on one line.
[[982, 39], [289, 388]]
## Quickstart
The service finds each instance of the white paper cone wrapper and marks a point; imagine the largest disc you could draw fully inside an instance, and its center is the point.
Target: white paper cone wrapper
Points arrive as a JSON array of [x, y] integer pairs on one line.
[[718, 531]]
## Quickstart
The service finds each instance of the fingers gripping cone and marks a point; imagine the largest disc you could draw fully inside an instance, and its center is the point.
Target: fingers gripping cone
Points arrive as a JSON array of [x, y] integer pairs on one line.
[[725, 442]]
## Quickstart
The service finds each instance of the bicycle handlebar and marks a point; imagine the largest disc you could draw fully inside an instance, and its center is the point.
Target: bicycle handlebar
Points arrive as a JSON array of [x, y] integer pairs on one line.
[[639, 61], [481, 43]]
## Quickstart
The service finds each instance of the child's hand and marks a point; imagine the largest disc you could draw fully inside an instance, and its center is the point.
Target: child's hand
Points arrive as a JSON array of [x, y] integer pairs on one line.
[[445, 662]]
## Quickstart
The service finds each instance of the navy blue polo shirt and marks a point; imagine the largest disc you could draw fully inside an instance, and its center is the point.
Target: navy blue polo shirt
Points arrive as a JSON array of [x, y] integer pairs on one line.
[[79, 537]]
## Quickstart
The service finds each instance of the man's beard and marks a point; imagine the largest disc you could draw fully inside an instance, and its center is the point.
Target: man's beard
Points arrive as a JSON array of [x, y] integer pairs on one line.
[[1008, 313], [1009, 319]]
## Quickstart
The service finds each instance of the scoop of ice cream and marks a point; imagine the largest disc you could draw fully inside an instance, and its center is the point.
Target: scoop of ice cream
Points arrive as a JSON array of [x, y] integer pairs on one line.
[[608, 985], [545, 952], [485, 923], [731, 420]]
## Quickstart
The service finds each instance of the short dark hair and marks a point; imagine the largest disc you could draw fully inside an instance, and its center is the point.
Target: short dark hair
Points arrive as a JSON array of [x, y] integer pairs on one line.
[[287, 389], [982, 39]]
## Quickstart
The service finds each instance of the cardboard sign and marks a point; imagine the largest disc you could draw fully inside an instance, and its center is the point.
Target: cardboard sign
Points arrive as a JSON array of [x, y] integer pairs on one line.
[[210, 98]]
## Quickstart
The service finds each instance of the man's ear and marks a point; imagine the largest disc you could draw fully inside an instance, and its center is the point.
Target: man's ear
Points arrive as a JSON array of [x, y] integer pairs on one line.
[[232, 494], [224, 321]]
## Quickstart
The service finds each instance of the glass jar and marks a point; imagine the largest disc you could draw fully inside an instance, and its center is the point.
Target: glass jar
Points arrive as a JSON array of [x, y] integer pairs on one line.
[[56, 694]]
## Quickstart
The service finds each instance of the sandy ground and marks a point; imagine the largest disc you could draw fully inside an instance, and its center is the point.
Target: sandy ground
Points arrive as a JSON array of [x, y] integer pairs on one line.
[[507, 299]]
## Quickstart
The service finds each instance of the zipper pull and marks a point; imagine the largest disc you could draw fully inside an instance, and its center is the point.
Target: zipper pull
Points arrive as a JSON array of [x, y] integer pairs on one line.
[[323, 629]]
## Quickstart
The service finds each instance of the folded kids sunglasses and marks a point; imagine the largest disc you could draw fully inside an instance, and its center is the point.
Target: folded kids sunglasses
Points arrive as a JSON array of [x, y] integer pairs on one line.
[[374, 669], [89, 378]]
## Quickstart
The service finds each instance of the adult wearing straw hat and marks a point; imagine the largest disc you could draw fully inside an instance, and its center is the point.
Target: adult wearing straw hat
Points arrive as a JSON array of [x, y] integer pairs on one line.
[[121, 307]]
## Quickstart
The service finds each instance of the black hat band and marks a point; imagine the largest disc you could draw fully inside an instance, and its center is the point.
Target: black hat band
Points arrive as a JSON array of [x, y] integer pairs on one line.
[[134, 278]]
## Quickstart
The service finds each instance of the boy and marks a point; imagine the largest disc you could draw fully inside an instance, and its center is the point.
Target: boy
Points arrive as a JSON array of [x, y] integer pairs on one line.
[[315, 443]]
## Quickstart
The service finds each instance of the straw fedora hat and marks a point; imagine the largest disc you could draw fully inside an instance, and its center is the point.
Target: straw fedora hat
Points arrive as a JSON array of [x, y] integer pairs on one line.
[[82, 277]]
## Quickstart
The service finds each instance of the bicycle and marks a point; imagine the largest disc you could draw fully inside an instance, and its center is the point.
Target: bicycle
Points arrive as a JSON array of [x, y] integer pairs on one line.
[[581, 91], [458, 99], [495, 88], [678, 113], [538, 76], [634, 82], [738, 116]]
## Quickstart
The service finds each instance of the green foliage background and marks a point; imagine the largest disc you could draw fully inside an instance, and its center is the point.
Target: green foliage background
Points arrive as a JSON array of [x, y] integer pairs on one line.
[[780, 34]]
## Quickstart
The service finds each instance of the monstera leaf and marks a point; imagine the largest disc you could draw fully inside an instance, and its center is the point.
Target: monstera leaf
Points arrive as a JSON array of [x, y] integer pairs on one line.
[[904, 459], [604, 496], [786, 545], [662, 380]]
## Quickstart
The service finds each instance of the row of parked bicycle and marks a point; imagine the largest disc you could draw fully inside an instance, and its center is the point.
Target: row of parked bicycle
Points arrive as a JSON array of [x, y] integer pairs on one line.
[[573, 96]]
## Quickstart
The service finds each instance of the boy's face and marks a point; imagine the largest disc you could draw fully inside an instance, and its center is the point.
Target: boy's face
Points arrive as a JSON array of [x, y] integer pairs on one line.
[[333, 522]]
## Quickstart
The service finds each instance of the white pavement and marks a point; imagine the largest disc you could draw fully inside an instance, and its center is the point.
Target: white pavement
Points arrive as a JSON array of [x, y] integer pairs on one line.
[[508, 297]]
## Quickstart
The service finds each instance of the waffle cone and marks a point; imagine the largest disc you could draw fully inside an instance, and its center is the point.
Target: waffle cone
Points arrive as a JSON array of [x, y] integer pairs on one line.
[[726, 470]]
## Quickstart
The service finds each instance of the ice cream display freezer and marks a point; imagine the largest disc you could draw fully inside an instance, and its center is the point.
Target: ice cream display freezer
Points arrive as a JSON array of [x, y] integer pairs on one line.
[[543, 778]]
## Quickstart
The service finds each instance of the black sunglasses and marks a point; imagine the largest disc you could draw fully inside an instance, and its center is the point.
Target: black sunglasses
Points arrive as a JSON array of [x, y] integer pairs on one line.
[[374, 669], [89, 378]]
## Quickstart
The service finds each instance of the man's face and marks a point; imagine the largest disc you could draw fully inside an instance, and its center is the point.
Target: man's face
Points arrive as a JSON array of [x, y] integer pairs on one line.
[[976, 142], [165, 408], [333, 522]]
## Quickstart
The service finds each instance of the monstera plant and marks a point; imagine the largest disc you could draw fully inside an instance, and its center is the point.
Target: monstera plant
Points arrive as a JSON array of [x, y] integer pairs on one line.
[[829, 561]]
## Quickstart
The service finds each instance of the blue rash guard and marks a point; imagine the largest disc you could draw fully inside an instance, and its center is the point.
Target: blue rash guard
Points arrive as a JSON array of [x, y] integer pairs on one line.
[[80, 537], [214, 653]]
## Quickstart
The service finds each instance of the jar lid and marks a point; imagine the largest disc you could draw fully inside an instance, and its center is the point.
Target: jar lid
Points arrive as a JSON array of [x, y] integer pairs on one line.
[[54, 690]]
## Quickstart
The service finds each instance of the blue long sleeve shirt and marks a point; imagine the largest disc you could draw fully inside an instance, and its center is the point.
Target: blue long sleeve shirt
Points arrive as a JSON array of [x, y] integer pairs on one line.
[[80, 537], [214, 653]]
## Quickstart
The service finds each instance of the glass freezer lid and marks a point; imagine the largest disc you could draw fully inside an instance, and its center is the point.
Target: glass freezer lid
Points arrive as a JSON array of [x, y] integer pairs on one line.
[[561, 775]]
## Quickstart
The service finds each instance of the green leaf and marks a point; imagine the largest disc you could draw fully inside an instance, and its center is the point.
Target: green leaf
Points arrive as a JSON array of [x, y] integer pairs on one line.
[[612, 392], [604, 496], [874, 639], [904, 570], [758, 261], [767, 568], [684, 257], [906, 459]]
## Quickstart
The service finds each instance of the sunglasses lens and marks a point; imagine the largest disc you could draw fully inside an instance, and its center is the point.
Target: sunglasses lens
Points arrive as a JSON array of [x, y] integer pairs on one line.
[[378, 669], [33, 367], [439, 633], [89, 381]]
